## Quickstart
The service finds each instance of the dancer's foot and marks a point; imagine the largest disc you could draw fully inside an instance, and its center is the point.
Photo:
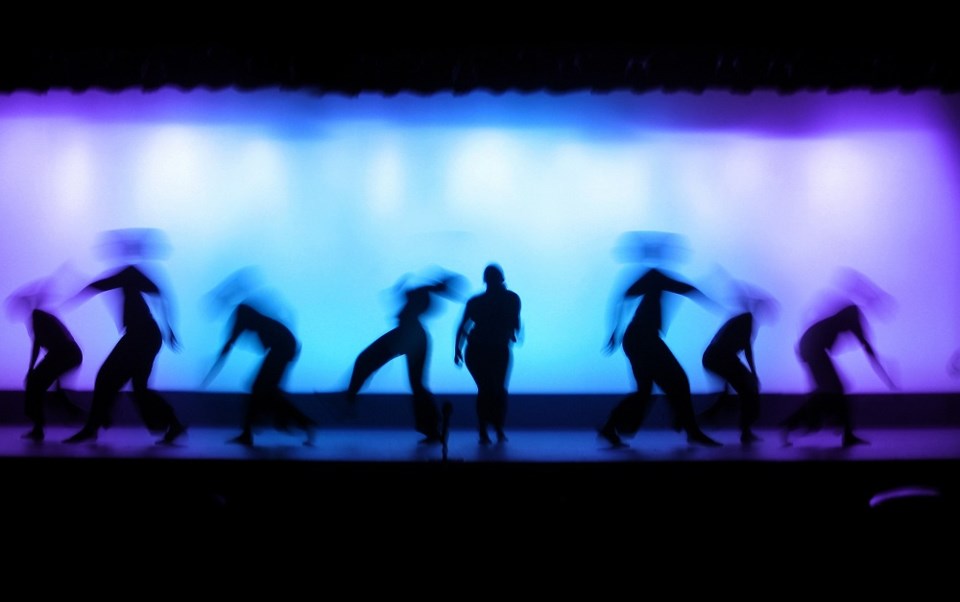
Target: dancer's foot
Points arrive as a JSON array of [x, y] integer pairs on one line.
[[485, 439], [87, 433], [721, 404], [173, 433], [708, 416], [785, 438], [61, 399], [35, 434], [849, 440], [242, 439], [748, 437], [311, 436], [807, 426], [609, 434], [501, 436], [711, 414], [701, 438]]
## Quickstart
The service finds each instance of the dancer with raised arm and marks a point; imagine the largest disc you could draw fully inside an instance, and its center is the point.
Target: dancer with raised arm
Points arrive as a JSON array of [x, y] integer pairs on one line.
[[651, 361], [132, 358], [409, 339]]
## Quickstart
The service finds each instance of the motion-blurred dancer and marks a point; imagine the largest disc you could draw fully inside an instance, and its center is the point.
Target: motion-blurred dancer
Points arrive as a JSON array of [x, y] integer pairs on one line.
[[651, 361], [133, 357], [281, 349], [722, 359], [815, 348], [61, 356], [409, 339]]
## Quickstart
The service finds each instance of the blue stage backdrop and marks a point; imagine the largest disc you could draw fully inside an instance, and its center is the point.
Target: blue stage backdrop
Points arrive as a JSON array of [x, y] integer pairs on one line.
[[330, 201]]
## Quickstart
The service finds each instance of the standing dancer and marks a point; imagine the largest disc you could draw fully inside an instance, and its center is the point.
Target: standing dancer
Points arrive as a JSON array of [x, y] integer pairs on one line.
[[489, 326]]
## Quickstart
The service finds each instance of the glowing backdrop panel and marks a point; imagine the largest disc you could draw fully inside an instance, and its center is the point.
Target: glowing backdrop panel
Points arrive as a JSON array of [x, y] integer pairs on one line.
[[334, 199]]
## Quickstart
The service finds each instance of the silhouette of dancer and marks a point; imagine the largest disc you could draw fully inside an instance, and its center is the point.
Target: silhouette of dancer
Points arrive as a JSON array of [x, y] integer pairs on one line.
[[490, 324], [409, 339], [722, 359], [651, 361], [266, 393], [62, 355], [828, 396], [133, 357], [841, 315]]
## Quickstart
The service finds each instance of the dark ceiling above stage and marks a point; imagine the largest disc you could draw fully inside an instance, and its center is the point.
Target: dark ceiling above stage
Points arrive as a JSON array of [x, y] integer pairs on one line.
[[425, 68]]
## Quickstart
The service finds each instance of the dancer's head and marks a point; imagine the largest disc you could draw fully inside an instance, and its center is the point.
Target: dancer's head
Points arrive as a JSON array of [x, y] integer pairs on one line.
[[764, 309], [452, 285], [863, 292], [493, 275], [133, 245], [236, 287], [35, 295], [652, 248]]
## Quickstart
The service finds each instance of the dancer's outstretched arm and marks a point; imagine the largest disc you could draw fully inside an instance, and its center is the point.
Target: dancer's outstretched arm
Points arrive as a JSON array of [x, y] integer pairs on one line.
[[878, 366], [235, 333], [860, 331]]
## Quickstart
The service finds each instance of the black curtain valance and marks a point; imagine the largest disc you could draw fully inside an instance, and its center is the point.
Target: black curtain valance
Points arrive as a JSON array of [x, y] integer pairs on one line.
[[425, 68]]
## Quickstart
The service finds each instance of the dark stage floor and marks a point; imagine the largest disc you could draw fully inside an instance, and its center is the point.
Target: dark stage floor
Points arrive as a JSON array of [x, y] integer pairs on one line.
[[561, 446], [537, 471], [376, 497], [367, 489]]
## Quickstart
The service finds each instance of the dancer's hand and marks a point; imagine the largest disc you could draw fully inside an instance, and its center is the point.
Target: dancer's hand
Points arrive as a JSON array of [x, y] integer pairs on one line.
[[883, 370], [611, 345], [890, 382], [209, 377], [214, 370], [458, 357], [172, 341], [953, 367]]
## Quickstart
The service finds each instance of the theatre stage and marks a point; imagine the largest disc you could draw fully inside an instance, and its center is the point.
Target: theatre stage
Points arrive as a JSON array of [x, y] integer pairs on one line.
[[556, 486]]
